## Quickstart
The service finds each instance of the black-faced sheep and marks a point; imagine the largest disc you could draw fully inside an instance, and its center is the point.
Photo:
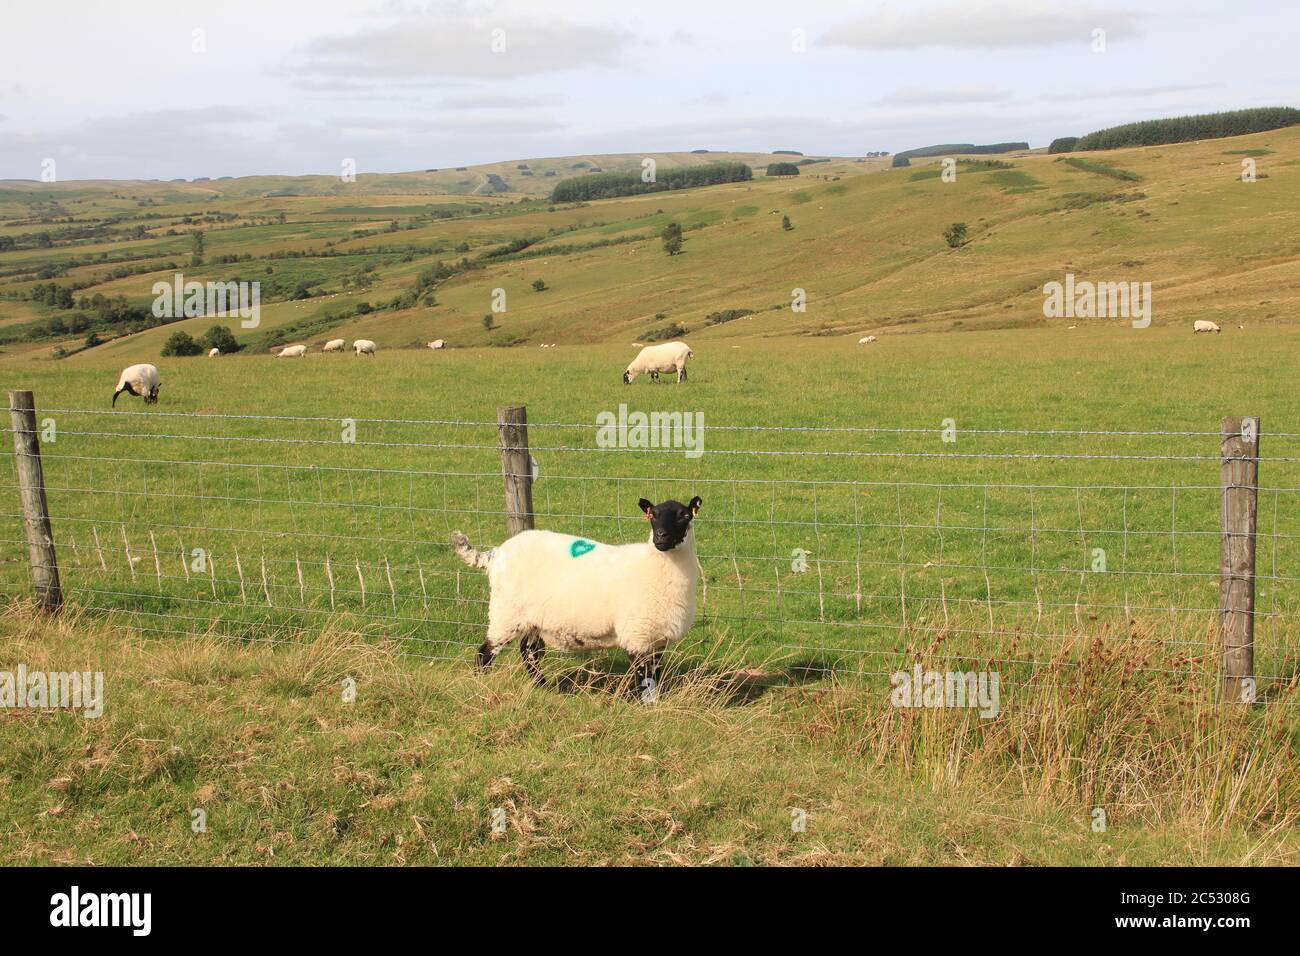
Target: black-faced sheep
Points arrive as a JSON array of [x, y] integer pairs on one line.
[[140, 380], [669, 357], [555, 590]]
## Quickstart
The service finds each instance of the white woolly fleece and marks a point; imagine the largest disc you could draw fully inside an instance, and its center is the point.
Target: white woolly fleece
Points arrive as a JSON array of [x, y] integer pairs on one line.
[[579, 594]]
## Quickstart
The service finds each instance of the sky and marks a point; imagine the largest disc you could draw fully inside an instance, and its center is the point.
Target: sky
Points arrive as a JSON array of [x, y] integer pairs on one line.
[[163, 89]]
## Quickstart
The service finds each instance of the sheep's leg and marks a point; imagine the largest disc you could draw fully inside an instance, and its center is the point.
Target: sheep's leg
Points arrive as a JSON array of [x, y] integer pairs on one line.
[[497, 638], [531, 649], [648, 671], [654, 377]]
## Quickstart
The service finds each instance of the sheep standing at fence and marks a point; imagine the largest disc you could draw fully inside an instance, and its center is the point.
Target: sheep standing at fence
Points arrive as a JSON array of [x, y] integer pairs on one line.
[[555, 590], [669, 357], [141, 380]]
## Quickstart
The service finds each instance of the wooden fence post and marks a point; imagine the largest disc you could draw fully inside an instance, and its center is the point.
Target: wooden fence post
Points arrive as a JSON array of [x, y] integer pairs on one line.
[[31, 489], [516, 466], [1240, 454]]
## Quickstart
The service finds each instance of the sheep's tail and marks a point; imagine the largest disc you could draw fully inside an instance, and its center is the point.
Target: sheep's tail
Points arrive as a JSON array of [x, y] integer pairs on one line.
[[468, 553]]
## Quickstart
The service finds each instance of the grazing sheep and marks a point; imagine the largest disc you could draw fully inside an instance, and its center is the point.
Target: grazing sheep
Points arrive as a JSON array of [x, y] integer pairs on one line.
[[214, 352], [333, 345], [292, 351], [669, 357], [1204, 325], [141, 380], [555, 590], [866, 340], [364, 347], [437, 344]]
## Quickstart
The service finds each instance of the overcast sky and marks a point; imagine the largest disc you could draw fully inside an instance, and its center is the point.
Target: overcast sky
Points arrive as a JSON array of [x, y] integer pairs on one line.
[[122, 89]]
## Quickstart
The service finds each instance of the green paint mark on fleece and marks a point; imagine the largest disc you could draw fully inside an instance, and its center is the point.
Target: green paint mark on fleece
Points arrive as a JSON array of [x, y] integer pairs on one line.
[[580, 547]]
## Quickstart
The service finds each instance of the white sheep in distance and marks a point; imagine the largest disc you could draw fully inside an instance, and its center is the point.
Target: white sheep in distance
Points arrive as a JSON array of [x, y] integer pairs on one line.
[[292, 351], [214, 352], [333, 345], [669, 357], [555, 590], [364, 347], [866, 340], [1204, 325], [437, 344], [141, 380]]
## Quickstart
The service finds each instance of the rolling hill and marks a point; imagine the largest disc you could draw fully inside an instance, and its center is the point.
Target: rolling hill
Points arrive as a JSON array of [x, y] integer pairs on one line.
[[866, 247]]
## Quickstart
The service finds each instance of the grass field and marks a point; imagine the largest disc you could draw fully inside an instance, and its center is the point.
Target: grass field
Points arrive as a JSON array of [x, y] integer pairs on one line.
[[325, 558]]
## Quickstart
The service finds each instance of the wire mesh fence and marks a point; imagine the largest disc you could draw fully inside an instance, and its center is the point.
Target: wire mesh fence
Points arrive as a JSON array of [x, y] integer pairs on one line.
[[822, 549]]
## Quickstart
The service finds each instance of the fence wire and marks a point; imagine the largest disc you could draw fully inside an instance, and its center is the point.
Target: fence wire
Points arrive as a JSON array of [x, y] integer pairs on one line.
[[852, 549]]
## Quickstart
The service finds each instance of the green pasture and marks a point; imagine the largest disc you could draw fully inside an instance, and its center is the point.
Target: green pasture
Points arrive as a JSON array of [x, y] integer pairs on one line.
[[990, 540]]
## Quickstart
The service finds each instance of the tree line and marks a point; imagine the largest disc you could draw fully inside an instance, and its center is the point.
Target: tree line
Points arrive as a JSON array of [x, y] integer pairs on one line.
[[608, 185]]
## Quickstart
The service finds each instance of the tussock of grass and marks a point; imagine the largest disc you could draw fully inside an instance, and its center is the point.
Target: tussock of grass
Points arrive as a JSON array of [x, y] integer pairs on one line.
[[258, 735]]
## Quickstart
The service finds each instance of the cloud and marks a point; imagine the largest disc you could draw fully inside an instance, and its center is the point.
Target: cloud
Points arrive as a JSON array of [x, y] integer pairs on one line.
[[496, 101], [996, 24], [918, 96], [449, 41], [1130, 92]]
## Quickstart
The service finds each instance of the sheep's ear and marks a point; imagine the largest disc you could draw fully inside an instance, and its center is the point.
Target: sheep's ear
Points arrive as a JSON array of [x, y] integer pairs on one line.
[[645, 506], [695, 505]]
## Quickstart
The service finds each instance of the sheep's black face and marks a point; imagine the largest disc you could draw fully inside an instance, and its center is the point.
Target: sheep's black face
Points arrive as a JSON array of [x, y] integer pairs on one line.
[[670, 522], [627, 378]]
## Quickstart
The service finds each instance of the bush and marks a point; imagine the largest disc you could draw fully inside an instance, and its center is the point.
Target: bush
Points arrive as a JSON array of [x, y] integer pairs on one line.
[[955, 235], [219, 337], [1063, 144], [180, 343], [673, 246], [782, 169], [539, 285], [672, 330], [785, 223], [1182, 129], [599, 185]]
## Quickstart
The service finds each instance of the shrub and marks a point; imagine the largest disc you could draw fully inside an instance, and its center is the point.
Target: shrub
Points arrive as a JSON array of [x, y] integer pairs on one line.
[[782, 169], [219, 337], [488, 322], [539, 285], [672, 330], [673, 246], [1063, 144], [180, 343], [785, 223], [955, 235]]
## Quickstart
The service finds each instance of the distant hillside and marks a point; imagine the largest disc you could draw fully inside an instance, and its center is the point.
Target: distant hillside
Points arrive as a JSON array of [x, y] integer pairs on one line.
[[865, 243], [528, 177]]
